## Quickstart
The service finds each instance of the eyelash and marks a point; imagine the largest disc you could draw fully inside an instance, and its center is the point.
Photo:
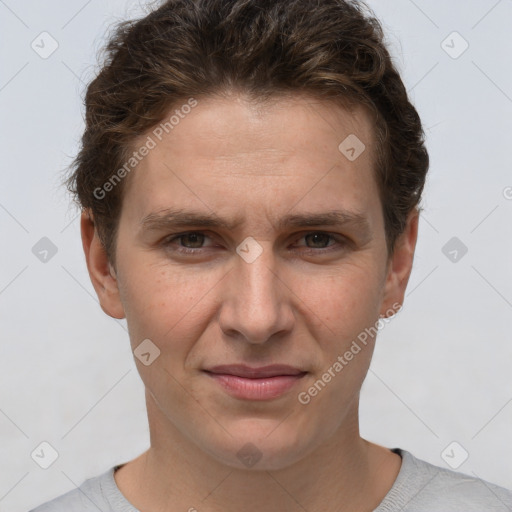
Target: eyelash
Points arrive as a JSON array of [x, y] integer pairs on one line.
[[340, 240]]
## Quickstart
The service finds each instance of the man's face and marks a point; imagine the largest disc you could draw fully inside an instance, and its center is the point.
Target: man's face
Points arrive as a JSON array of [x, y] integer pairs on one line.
[[262, 290]]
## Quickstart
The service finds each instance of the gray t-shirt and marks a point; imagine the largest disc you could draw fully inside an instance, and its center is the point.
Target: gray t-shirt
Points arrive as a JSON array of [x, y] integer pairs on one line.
[[419, 487]]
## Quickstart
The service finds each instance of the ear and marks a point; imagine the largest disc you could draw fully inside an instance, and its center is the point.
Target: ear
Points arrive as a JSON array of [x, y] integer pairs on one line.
[[400, 266], [101, 272]]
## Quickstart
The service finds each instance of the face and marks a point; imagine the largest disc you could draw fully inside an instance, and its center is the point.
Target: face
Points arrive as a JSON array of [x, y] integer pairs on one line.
[[247, 238]]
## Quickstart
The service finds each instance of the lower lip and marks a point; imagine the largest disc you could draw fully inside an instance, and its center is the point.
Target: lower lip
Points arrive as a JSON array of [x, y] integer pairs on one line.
[[256, 389]]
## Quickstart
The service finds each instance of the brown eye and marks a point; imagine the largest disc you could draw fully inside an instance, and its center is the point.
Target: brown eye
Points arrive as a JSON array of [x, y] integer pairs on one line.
[[191, 243], [319, 240], [192, 240], [319, 243]]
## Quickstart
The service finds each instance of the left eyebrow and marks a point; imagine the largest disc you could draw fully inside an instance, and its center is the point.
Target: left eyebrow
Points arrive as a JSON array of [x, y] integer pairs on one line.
[[173, 218]]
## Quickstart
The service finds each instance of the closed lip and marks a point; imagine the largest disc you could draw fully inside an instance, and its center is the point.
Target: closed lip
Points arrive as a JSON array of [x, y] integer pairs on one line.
[[248, 372]]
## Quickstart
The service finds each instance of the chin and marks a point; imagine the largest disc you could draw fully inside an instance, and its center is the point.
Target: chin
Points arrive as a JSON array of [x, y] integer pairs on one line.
[[260, 445]]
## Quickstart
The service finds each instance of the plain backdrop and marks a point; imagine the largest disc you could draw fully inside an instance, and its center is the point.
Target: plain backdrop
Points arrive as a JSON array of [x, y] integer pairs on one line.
[[441, 370]]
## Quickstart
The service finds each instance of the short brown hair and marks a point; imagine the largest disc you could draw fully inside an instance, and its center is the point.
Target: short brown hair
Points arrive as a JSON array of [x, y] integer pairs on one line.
[[329, 49]]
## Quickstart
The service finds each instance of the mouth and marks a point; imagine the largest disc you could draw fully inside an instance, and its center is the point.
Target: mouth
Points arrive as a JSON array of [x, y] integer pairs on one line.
[[262, 383]]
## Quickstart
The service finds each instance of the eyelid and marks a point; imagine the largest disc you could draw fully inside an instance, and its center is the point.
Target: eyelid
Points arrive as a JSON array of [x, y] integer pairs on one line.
[[340, 240], [334, 236]]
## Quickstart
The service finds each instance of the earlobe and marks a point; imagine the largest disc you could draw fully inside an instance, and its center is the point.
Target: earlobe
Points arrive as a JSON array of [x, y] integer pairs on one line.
[[400, 265], [101, 272]]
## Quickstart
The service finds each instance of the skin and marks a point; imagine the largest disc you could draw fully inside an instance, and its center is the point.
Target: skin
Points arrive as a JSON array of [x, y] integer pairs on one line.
[[288, 306]]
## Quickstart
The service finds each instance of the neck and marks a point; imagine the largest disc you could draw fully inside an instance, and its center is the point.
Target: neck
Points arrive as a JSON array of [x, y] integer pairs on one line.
[[343, 473]]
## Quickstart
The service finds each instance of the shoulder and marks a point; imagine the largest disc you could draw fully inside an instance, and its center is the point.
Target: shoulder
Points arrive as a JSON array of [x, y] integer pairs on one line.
[[421, 486], [92, 495]]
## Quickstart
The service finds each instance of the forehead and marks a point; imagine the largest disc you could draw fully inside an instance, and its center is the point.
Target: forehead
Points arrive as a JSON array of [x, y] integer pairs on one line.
[[289, 147]]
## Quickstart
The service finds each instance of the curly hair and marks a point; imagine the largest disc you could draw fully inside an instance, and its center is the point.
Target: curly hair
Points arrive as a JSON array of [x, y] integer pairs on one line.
[[332, 50]]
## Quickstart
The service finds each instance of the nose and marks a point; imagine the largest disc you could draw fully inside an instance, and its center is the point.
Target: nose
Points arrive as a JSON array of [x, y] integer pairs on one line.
[[256, 305]]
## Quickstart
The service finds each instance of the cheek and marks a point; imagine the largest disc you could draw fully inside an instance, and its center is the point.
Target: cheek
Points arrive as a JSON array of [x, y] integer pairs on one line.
[[163, 301], [345, 301]]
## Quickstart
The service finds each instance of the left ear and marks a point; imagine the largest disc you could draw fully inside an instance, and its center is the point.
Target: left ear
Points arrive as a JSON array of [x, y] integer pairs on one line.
[[400, 265]]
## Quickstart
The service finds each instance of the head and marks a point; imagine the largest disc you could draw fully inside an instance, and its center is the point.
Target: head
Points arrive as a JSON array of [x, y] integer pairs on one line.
[[281, 134]]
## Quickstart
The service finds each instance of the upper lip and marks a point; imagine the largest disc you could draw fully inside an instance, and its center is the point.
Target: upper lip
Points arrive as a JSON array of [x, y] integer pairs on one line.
[[242, 370]]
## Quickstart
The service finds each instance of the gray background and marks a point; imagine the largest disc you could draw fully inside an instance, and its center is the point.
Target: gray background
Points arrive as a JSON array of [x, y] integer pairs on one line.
[[441, 370]]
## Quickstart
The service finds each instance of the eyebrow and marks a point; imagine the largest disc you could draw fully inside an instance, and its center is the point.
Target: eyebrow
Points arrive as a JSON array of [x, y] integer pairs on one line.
[[177, 218]]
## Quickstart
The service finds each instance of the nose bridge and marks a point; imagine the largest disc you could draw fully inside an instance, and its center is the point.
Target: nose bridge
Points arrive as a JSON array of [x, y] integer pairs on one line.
[[256, 302], [258, 281]]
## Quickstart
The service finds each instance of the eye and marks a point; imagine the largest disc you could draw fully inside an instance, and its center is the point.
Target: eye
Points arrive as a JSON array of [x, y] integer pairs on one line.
[[319, 239], [319, 242], [192, 242], [195, 239]]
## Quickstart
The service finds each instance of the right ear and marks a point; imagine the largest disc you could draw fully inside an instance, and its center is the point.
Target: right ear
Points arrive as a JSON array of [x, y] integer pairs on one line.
[[101, 272]]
